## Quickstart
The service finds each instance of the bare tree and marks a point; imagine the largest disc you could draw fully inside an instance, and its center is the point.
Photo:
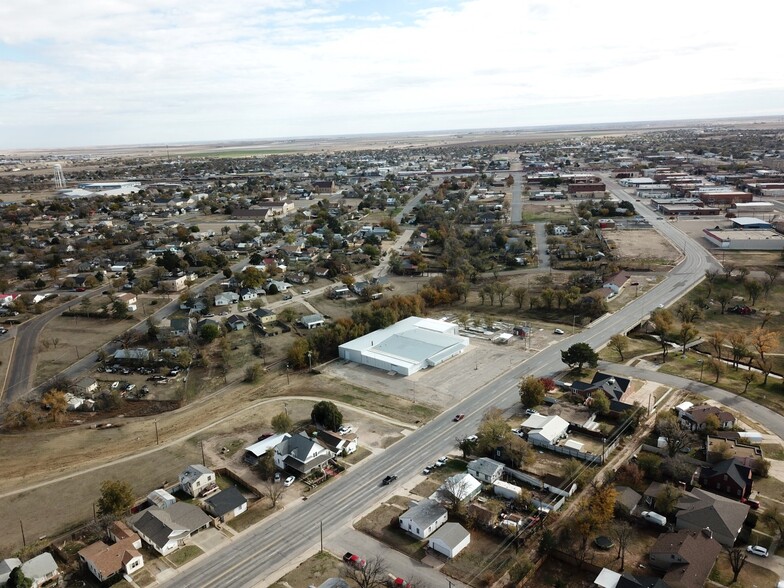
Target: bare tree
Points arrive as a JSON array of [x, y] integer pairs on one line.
[[737, 557], [622, 532], [273, 490], [371, 575], [453, 492], [675, 436]]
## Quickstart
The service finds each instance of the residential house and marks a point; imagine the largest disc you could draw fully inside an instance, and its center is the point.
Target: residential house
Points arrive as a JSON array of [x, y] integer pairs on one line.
[[686, 557], [545, 430], [616, 282], [486, 470], [6, 567], [301, 453], [449, 540], [339, 444], [86, 386], [226, 298], [180, 327], [277, 285], [129, 299], [264, 316], [226, 504], [248, 294], [560, 230], [236, 322], [122, 557], [423, 518], [173, 284], [167, 530], [614, 387], [626, 499], [42, 569], [695, 417], [612, 579], [196, 480], [698, 509], [462, 487], [324, 186], [311, 321], [718, 449], [727, 477]]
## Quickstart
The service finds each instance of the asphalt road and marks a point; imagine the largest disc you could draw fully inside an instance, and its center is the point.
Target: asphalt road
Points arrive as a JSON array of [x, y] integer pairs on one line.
[[258, 556]]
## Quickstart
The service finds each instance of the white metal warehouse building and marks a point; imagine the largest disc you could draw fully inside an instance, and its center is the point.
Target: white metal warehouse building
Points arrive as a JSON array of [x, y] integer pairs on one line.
[[407, 346]]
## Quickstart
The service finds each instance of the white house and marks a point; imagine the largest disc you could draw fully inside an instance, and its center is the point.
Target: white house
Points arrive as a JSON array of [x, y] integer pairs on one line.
[[167, 530], [450, 539], [545, 430], [311, 321], [41, 569], [301, 454], [423, 518], [486, 470], [196, 479], [226, 298], [173, 284], [462, 486]]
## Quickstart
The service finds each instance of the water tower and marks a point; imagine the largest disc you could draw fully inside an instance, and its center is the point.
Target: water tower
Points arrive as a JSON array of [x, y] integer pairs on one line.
[[59, 178]]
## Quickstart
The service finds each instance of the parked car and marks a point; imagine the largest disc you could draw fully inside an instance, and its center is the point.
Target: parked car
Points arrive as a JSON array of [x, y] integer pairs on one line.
[[277, 477], [472, 438], [757, 550], [289, 481], [3, 330], [753, 504], [531, 411], [345, 429], [306, 291], [441, 461], [287, 297], [426, 471], [353, 560], [459, 417], [245, 309], [558, 331], [388, 479]]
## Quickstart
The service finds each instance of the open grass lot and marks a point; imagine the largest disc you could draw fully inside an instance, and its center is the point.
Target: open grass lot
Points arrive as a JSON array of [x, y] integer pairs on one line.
[[750, 576], [5, 356], [184, 555], [546, 212], [771, 395], [257, 511], [313, 571], [637, 347], [553, 571]]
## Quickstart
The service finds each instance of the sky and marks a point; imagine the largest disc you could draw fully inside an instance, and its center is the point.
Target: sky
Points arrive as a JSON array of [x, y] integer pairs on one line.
[[117, 72]]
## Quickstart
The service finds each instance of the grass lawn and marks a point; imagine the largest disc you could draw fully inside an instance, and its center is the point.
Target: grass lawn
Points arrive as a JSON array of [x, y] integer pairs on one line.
[[731, 380], [255, 513], [769, 486], [142, 578], [184, 555], [772, 451], [312, 571], [360, 454], [471, 565], [636, 348], [751, 574]]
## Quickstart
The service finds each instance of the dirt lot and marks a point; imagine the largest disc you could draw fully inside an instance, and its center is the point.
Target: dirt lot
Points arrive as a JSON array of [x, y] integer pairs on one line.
[[312, 571], [642, 244]]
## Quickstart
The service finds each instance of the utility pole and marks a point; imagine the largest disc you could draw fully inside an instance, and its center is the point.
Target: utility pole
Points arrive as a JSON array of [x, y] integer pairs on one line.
[[288, 380], [24, 541], [203, 459], [157, 440], [321, 534]]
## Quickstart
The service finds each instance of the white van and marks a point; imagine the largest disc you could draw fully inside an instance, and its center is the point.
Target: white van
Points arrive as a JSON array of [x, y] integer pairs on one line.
[[654, 517]]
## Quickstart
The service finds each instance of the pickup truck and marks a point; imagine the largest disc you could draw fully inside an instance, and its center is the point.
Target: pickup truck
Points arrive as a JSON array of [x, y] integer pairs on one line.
[[353, 560]]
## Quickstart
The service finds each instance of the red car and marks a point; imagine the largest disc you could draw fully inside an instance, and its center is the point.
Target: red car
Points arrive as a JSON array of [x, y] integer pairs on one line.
[[459, 417], [353, 560]]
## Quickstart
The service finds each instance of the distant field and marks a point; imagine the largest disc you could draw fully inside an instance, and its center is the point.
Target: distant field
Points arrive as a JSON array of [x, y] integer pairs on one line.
[[231, 153]]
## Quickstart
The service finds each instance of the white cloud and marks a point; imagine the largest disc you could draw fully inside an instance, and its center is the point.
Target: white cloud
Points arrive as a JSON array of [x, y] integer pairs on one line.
[[165, 70]]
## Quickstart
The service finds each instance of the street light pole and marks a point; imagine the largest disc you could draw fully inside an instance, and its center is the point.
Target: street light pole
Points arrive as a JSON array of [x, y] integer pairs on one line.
[[310, 360], [288, 380], [574, 320], [702, 365]]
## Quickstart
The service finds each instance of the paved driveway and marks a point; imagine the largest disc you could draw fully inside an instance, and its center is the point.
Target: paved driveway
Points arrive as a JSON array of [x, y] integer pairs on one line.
[[209, 539]]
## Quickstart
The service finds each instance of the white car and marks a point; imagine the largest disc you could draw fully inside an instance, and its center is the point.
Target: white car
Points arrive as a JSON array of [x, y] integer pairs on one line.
[[306, 291], [245, 309], [442, 461], [289, 481], [558, 331], [472, 438], [757, 550]]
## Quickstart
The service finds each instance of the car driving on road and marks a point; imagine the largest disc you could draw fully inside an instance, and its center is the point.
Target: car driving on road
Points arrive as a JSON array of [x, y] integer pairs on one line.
[[388, 479]]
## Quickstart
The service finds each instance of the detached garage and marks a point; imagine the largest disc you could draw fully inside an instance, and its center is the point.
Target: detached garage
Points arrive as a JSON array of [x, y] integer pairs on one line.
[[449, 540], [407, 346]]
